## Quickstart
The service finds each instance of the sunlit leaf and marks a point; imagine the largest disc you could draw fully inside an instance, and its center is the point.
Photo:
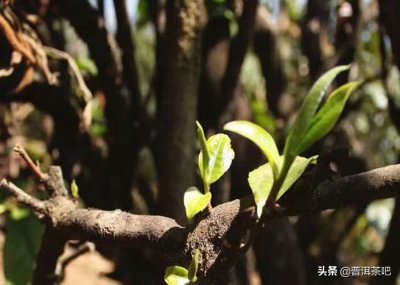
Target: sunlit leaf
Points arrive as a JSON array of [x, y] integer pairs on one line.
[[194, 266], [22, 243], [220, 157], [260, 137], [176, 275], [195, 202], [261, 180], [326, 118], [74, 190], [85, 64], [308, 109]]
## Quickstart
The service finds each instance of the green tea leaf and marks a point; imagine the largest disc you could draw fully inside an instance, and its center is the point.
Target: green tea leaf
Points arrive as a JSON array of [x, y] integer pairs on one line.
[[220, 157], [194, 266], [260, 137], [85, 64], [21, 246], [74, 190], [176, 275], [205, 154], [261, 180], [308, 109], [298, 167], [326, 118], [195, 202]]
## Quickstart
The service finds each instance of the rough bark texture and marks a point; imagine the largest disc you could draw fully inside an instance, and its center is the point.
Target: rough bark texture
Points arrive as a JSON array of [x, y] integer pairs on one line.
[[177, 106]]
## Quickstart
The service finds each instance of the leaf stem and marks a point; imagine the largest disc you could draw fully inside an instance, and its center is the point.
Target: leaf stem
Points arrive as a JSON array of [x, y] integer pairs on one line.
[[206, 186], [277, 185]]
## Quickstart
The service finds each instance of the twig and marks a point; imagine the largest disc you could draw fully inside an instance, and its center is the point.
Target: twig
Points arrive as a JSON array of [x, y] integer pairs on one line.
[[34, 167], [23, 197]]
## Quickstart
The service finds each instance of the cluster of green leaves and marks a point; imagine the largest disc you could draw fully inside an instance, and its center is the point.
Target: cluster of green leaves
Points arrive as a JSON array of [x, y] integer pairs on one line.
[[177, 275], [214, 160], [271, 180]]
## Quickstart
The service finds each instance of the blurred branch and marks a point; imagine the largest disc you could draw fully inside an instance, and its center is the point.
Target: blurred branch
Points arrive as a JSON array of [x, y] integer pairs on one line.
[[347, 34], [237, 52], [64, 262], [100, 7], [389, 16], [266, 48], [125, 41], [51, 248], [313, 26]]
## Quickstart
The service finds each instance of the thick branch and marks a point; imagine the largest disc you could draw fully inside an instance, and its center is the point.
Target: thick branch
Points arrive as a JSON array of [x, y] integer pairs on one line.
[[376, 184]]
